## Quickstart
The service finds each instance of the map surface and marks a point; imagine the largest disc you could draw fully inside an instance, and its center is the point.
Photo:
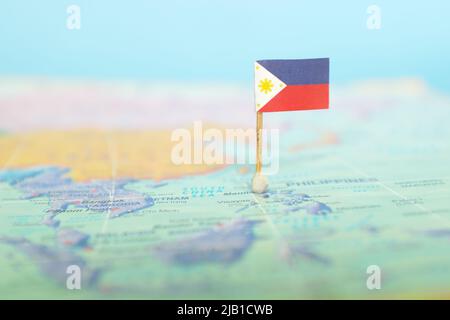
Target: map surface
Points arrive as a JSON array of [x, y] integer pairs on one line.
[[86, 179]]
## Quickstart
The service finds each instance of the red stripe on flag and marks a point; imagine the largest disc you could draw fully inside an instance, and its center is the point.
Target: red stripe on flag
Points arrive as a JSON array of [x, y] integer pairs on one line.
[[301, 97]]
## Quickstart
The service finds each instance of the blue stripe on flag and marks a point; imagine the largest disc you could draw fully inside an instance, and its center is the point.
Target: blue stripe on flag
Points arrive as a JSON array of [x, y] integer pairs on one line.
[[297, 72]]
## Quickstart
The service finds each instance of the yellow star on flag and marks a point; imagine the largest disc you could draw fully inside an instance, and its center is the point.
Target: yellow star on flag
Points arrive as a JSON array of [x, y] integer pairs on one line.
[[265, 85]]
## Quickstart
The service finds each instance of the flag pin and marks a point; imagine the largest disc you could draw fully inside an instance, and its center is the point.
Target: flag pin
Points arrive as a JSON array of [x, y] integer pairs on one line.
[[287, 85]]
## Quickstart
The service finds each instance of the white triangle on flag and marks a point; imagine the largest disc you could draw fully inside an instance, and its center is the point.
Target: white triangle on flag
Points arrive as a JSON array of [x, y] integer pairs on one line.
[[267, 86]]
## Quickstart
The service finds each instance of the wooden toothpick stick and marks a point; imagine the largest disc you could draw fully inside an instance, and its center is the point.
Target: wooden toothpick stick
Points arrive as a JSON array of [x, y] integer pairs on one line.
[[259, 126], [259, 182]]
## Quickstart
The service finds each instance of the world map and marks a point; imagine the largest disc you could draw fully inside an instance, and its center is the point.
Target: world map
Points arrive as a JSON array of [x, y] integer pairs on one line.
[[86, 179]]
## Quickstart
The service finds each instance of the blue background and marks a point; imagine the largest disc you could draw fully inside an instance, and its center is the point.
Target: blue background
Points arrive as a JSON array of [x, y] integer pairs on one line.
[[219, 40]]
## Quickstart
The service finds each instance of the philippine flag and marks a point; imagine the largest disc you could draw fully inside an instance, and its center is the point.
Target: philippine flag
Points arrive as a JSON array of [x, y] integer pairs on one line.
[[288, 85]]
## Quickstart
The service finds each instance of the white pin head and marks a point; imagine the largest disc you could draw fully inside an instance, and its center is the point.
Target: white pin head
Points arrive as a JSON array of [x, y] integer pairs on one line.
[[259, 183]]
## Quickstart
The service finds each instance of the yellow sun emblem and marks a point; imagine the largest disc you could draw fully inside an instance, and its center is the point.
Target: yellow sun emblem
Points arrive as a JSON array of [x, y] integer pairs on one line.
[[265, 85]]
